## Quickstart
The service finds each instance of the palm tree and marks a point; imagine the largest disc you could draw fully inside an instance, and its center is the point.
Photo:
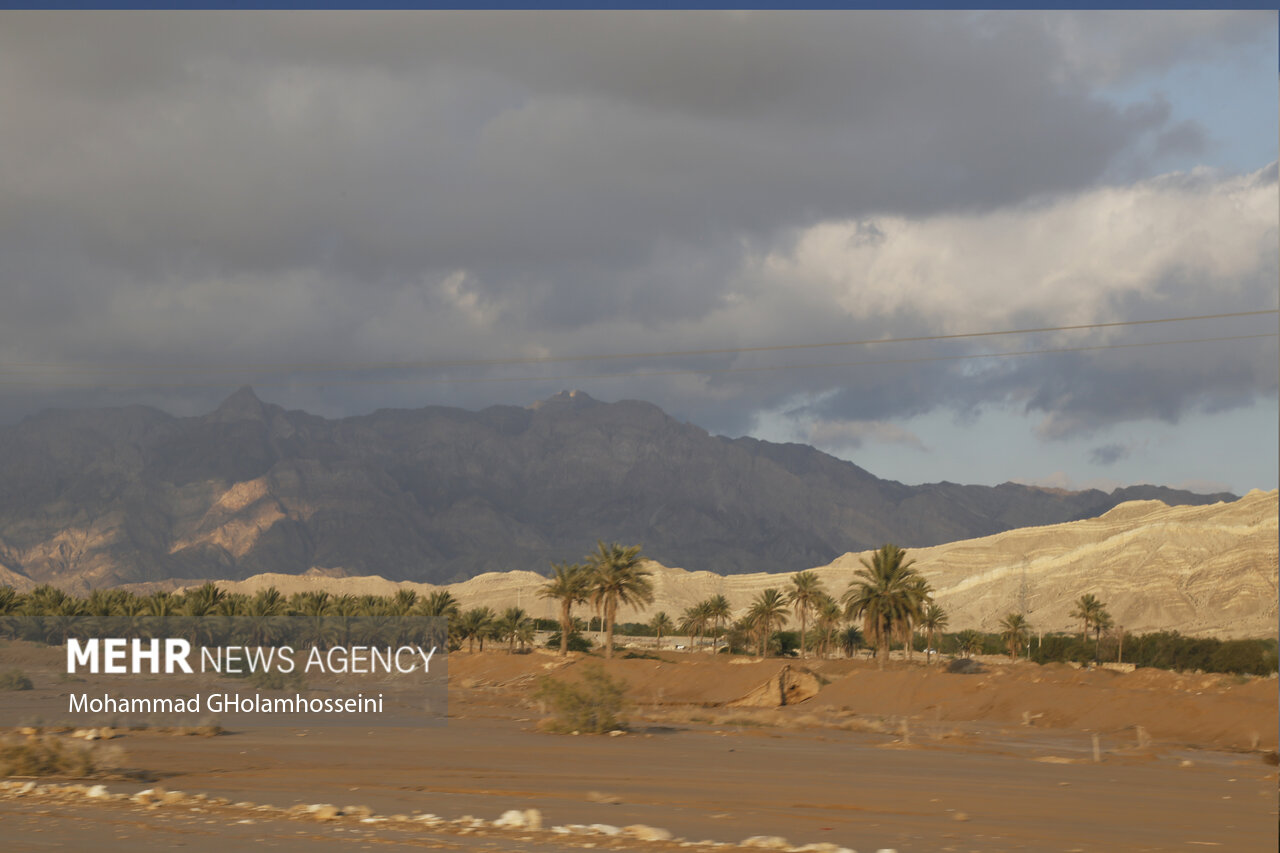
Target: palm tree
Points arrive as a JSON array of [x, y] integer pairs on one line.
[[694, 621], [432, 617], [568, 585], [1101, 622], [970, 642], [1015, 633], [661, 623], [767, 611], [719, 610], [933, 619], [922, 595], [474, 625], [1087, 608], [513, 619], [829, 616], [311, 610], [616, 578], [343, 619], [886, 595], [806, 587]]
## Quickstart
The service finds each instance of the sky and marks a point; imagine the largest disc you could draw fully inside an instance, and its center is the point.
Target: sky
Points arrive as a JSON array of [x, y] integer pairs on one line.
[[351, 211]]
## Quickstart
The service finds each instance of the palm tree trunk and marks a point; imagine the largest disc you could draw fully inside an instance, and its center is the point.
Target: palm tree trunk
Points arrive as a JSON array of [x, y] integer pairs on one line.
[[566, 622], [610, 611]]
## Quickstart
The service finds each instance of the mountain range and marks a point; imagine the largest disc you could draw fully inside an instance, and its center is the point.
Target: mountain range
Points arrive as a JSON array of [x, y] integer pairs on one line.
[[101, 497]]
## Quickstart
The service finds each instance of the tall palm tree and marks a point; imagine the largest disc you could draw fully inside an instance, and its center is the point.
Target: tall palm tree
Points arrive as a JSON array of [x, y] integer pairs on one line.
[[662, 624], [616, 578], [921, 594], [767, 613], [829, 616], [1087, 609], [568, 585], [1015, 632], [806, 587], [885, 595], [719, 610], [1101, 622], [695, 620], [933, 620]]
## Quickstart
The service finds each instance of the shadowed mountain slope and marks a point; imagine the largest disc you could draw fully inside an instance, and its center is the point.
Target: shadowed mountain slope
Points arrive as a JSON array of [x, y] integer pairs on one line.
[[100, 497]]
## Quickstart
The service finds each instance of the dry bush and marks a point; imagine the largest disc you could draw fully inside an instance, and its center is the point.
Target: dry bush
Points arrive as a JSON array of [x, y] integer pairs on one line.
[[14, 679], [45, 756], [591, 707]]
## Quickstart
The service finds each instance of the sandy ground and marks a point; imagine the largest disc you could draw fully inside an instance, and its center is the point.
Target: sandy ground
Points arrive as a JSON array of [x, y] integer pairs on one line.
[[904, 759]]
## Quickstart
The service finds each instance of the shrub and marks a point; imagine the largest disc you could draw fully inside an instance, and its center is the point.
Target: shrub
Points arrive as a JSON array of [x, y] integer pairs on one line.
[[39, 756], [592, 706], [577, 642], [14, 679]]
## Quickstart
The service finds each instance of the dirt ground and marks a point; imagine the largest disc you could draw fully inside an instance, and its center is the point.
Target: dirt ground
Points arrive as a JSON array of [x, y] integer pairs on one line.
[[907, 759]]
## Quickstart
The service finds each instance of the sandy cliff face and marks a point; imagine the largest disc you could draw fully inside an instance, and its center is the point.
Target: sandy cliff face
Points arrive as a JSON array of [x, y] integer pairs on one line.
[[1205, 570]]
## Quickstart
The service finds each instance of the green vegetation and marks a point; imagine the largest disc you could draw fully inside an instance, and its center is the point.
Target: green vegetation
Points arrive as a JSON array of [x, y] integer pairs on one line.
[[568, 585], [611, 576], [592, 707], [577, 642], [889, 595], [616, 578], [1015, 633], [1165, 650], [210, 616]]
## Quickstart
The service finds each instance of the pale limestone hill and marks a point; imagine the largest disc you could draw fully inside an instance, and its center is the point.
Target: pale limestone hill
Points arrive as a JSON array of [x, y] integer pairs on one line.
[[1204, 570]]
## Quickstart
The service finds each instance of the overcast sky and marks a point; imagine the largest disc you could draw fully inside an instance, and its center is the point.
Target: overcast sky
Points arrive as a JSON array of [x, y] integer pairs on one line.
[[327, 206]]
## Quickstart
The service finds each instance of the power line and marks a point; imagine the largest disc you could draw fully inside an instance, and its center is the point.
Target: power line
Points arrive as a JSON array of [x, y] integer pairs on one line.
[[629, 375], [494, 362]]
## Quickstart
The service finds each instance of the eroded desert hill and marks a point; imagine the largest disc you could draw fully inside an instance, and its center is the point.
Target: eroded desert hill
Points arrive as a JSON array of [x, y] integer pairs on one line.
[[1203, 570], [103, 497]]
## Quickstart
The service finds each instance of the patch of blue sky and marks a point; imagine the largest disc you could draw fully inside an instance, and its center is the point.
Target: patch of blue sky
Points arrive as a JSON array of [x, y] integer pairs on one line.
[[1223, 451], [1234, 98]]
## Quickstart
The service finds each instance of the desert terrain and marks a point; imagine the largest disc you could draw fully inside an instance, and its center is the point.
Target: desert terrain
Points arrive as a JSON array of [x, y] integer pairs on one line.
[[1201, 570], [911, 758]]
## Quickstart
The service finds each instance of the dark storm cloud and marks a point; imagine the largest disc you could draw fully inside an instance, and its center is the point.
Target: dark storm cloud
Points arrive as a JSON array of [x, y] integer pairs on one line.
[[222, 188], [1108, 454]]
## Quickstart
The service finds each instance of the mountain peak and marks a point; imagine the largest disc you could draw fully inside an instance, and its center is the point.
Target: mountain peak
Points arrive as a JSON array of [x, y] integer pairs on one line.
[[243, 405], [574, 399]]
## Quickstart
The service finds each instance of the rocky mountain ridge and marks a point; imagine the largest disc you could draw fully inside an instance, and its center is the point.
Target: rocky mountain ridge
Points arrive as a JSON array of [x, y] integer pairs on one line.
[[94, 498]]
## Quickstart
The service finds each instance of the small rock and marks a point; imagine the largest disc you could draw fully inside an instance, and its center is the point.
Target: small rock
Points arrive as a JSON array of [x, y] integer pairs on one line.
[[605, 829], [510, 819], [617, 733], [323, 811], [532, 819], [643, 832], [961, 816], [766, 842], [172, 797], [1186, 762], [97, 792], [602, 797], [357, 811]]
